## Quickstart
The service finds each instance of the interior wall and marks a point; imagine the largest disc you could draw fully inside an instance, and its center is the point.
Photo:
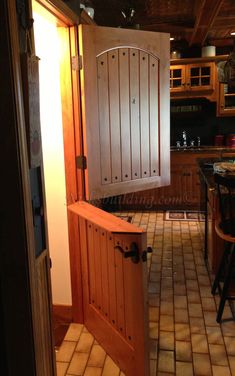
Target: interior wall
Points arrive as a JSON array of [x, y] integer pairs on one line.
[[48, 50]]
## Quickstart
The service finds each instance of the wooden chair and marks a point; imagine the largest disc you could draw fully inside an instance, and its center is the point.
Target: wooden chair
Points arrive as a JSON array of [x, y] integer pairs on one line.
[[225, 229]]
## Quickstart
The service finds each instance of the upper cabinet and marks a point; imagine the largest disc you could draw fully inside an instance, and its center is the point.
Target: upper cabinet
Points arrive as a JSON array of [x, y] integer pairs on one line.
[[225, 101], [192, 79]]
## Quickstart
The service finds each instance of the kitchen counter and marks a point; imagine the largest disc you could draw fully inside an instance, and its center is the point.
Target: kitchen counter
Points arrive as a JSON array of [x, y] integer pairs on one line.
[[203, 149], [209, 202]]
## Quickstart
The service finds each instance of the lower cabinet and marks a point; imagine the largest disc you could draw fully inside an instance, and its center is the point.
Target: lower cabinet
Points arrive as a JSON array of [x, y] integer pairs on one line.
[[183, 193], [214, 245]]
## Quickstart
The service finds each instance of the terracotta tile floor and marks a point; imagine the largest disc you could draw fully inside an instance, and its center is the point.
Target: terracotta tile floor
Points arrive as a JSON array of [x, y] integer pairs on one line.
[[185, 339]]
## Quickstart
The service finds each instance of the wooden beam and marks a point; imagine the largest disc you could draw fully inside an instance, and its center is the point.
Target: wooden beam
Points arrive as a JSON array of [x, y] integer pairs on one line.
[[206, 15]]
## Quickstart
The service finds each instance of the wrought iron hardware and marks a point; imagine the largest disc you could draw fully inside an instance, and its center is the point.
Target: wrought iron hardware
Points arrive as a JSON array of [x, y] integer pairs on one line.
[[144, 254], [134, 253], [77, 62], [81, 162]]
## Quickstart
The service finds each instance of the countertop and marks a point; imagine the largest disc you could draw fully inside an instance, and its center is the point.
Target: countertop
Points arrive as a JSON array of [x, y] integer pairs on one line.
[[202, 149], [207, 170]]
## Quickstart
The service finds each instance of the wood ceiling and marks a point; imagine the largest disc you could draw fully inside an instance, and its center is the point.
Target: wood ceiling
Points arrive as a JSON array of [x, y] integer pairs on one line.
[[198, 22]]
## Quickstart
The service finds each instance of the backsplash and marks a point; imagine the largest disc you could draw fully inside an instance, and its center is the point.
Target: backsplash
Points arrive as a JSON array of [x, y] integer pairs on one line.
[[202, 123]]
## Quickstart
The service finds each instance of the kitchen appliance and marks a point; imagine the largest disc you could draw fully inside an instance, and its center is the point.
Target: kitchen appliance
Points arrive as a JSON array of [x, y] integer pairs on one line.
[[230, 140]]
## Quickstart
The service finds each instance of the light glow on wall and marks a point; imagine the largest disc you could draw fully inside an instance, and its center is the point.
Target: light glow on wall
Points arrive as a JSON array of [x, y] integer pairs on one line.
[[48, 49]]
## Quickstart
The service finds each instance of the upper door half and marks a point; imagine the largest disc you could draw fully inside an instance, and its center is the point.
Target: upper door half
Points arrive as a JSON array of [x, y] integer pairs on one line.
[[125, 110]]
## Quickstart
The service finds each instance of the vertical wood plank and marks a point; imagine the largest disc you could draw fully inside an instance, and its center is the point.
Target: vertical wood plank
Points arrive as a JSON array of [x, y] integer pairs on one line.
[[91, 263], [121, 326], [114, 108], [97, 257], [128, 291], [135, 112], [111, 280], [144, 114], [104, 273], [154, 116], [104, 126], [125, 113]]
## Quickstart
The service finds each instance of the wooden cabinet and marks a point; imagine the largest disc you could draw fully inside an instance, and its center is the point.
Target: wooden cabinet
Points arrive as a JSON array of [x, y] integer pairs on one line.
[[225, 101], [190, 79], [213, 244]]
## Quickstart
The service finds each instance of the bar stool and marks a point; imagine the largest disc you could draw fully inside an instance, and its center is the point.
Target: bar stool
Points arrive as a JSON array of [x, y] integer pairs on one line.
[[225, 229]]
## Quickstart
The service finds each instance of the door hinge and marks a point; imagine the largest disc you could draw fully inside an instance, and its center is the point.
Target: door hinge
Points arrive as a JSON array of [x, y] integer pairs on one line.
[[81, 162], [77, 62]]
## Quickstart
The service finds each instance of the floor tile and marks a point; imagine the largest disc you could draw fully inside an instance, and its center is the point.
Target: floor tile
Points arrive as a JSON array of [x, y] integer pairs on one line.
[[221, 371], [78, 364], [218, 355], [166, 341], [201, 365], [153, 330], [184, 369], [183, 351], [66, 351], [182, 332], [181, 315], [230, 345], [199, 343], [85, 343], [110, 368], [166, 361], [93, 371], [97, 356], [166, 323], [73, 332], [61, 368]]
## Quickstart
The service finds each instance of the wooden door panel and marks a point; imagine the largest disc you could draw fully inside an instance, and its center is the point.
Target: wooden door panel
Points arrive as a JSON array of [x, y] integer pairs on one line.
[[114, 286], [134, 113], [125, 105], [124, 114]]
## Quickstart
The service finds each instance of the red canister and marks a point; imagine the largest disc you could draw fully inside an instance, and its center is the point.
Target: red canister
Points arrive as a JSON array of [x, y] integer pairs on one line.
[[230, 140], [219, 140]]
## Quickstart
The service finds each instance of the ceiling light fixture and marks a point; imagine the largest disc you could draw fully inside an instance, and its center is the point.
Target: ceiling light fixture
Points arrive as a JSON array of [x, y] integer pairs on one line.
[[172, 38]]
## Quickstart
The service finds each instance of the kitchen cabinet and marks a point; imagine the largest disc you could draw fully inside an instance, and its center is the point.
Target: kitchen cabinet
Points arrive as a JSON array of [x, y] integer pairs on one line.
[[213, 244], [225, 101], [192, 78]]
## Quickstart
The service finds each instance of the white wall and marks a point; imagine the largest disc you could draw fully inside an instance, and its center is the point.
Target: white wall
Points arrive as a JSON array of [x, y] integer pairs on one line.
[[48, 50]]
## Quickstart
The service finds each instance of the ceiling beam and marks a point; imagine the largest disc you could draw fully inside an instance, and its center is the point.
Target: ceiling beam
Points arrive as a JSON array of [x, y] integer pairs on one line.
[[206, 15]]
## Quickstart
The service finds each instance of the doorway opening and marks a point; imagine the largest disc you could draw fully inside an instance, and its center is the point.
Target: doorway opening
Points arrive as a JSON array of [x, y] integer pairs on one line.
[[52, 46]]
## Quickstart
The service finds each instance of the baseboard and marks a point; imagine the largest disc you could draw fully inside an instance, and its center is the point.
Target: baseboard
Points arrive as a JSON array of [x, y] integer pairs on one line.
[[62, 313]]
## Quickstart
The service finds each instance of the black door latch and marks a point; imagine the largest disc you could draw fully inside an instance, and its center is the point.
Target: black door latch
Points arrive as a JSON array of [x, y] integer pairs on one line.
[[134, 253]]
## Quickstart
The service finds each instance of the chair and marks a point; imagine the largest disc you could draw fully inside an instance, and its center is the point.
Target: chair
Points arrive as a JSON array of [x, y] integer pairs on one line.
[[225, 229]]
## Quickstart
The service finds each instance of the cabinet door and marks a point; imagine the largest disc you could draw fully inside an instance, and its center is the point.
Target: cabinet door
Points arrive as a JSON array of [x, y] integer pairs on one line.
[[226, 101], [177, 78], [200, 76]]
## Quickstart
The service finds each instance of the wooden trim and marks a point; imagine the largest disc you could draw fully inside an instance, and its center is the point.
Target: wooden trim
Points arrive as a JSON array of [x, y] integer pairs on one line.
[[86, 19], [106, 220], [61, 11], [66, 91], [75, 268], [62, 313], [77, 113], [199, 60]]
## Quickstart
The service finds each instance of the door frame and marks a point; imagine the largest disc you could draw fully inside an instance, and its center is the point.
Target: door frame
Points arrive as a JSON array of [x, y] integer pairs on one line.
[[72, 140]]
